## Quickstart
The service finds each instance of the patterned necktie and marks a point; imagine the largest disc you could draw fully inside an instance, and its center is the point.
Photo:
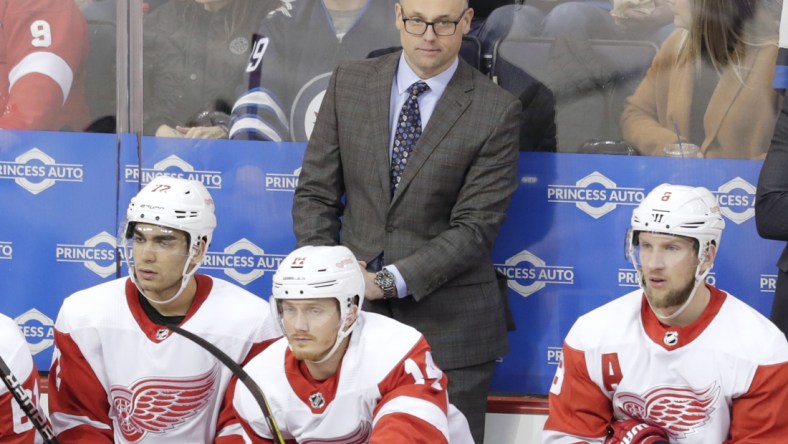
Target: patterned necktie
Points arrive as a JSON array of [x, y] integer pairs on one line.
[[407, 133]]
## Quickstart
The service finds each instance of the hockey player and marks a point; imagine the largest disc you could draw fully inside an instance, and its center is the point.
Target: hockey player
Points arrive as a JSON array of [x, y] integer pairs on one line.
[[44, 45], [15, 427], [118, 373], [679, 361], [342, 375], [298, 47]]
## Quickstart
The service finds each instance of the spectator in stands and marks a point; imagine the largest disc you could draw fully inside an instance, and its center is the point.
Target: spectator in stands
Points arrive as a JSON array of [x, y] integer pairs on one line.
[[711, 82], [42, 68], [537, 128], [510, 21], [300, 44], [677, 360], [195, 52], [611, 20], [482, 10]]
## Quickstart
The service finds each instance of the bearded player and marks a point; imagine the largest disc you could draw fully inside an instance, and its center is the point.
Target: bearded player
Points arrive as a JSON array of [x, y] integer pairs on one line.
[[678, 361], [342, 375], [118, 374]]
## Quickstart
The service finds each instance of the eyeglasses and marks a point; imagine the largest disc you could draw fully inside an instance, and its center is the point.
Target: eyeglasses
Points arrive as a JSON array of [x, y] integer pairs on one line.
[[443, 28]]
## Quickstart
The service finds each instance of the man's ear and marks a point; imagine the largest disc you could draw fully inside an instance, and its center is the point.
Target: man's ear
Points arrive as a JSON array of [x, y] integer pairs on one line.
[[202, 248], [351, 317], [707, 257]]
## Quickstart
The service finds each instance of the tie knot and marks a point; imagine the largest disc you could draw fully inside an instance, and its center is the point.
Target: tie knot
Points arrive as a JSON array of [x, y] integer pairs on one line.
[[418, 88]]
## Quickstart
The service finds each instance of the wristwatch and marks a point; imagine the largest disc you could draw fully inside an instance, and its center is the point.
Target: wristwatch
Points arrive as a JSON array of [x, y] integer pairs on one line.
[[384, 279]]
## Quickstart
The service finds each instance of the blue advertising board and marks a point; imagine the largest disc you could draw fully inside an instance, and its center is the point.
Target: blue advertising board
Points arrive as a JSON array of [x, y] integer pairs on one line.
[[561, 247]]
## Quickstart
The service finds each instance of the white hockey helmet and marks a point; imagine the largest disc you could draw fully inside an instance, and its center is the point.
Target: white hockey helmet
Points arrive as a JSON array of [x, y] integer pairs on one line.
[[181, 204], [681, 211], [324, 272]]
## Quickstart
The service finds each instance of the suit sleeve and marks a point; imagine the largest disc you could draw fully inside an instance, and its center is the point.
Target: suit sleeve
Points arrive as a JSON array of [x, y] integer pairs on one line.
[[318, 204], [15, 427], [45, 47], [579, 411], [759, 414], [771, 204], [414, 402], [78, 404]]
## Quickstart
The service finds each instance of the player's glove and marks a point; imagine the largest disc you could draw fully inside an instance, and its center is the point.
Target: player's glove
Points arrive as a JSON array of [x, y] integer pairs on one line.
[[631, 431]]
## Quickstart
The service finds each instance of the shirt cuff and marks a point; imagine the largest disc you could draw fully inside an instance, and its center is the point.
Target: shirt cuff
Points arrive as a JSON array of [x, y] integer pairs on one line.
[[402, 286]]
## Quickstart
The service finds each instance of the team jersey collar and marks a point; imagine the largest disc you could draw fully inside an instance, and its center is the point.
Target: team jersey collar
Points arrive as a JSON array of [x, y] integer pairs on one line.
[[317, 395], [155, 332], [674, 337]]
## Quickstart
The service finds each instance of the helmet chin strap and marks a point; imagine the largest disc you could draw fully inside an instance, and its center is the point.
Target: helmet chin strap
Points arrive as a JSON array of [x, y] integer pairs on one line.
[[184, 281], [341, 335]]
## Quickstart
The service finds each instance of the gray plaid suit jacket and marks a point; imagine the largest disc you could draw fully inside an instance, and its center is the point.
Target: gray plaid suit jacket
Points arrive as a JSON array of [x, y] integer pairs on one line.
[[440, 225]]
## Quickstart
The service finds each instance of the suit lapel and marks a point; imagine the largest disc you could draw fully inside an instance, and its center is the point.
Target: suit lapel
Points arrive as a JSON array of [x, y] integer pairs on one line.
[[380, 98], [449, 108]]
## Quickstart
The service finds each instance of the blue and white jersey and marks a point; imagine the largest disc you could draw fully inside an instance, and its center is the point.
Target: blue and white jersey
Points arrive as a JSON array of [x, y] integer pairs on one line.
[[291, 62]]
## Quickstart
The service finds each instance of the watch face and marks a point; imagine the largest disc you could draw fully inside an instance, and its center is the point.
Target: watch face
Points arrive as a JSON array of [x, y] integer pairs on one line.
[[384, 279]]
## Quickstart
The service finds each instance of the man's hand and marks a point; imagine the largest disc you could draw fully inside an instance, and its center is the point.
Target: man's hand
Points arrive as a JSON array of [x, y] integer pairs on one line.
[[371, 291], [631, 431], [203, 132], [194, 132], [649, 14]]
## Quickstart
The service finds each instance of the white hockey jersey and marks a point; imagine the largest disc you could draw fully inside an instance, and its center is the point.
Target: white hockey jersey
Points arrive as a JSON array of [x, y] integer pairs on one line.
[[387, 389], [721, 379], [118, 377], [15, 427]]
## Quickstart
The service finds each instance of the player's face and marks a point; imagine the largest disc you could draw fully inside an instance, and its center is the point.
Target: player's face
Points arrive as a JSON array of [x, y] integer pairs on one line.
[[311, 326], [160, 255], [430, 54], [668, 267]]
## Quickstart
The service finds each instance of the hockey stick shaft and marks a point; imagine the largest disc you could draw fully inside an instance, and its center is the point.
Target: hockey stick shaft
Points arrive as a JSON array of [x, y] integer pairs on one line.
[[238, 371], [36, 416]]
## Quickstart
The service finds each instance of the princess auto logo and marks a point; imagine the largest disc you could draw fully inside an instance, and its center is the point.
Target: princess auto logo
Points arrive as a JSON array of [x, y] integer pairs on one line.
[[595, 195], [527, 273], [38, 329], [737, 200], [243, 261], [6, 250], [173, 166], [36, 171], [767, 283], [627, 277], [282, 182], [97, 254]]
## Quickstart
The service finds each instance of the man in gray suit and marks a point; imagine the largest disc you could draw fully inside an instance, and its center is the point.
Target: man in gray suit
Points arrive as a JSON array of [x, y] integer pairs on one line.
[[425, 228], [771, 210]]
